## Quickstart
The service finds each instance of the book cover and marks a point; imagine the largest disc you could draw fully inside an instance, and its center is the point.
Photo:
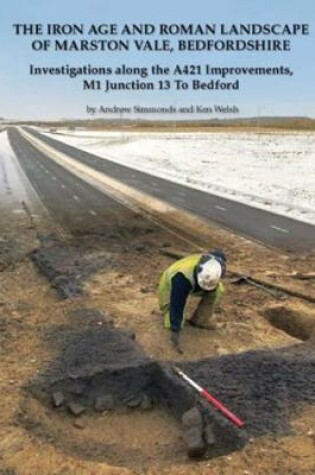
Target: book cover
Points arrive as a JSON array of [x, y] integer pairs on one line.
[[157, 237]]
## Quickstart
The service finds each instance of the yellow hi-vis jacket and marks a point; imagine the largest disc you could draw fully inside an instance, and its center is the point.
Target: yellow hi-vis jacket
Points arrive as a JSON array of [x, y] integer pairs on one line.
[[185, 266]]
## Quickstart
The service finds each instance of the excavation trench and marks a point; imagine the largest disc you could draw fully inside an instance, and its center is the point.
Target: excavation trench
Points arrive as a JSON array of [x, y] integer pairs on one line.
[[102, 370], [297, 321], [102, 374]]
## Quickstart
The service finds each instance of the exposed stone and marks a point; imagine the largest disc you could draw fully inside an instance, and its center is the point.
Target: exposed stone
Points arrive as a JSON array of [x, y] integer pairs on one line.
[[57, 398], [134, 402], [193, 432], [209, 435], [104, 403], [146, 403], [75, 408], [79, 424], [74, 375]]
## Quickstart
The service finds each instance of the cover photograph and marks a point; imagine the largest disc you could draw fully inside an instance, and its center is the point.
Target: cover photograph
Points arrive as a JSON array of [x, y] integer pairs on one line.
[[157, 239]]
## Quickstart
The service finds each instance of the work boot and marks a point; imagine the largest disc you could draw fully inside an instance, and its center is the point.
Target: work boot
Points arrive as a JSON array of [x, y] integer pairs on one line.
[[205, 326]]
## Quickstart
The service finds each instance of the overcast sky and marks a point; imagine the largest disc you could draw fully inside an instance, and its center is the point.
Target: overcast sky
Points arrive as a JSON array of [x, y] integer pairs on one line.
[[27, 97]]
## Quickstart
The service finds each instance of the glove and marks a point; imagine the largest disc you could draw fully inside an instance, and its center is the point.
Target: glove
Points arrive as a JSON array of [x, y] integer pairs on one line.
[[175, 341]]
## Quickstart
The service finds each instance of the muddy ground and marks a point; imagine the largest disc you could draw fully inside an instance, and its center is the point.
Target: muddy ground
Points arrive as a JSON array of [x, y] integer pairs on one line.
[[47, 345]]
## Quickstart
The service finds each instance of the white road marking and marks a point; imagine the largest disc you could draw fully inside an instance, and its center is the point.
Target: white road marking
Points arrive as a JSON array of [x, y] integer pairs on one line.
[[63, 186], [54, 178], [220, 208], [282, 230], [75, 197], [92, 212], [181, 193]]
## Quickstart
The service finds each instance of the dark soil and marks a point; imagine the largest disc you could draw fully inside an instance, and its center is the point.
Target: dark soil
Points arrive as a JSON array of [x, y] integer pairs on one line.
[[68, 265], [96, 360], [264, 388]]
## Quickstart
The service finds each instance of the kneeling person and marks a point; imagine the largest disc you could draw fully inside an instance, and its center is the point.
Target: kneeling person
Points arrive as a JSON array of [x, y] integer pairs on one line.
[[194, 274]]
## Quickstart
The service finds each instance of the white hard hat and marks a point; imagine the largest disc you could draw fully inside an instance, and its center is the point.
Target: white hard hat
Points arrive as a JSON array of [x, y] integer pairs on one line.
[[209, 274]]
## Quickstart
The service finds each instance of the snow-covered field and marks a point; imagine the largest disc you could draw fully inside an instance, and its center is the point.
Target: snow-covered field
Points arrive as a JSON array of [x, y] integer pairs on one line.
[[273, 171]]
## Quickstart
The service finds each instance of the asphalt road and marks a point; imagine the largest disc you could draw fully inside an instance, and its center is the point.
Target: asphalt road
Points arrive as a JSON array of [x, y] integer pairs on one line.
[[75, 204], [266, 227]]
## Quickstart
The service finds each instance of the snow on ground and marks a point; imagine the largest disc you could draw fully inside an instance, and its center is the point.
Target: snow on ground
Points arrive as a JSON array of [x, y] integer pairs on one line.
[[273, 171], [12, 185]]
